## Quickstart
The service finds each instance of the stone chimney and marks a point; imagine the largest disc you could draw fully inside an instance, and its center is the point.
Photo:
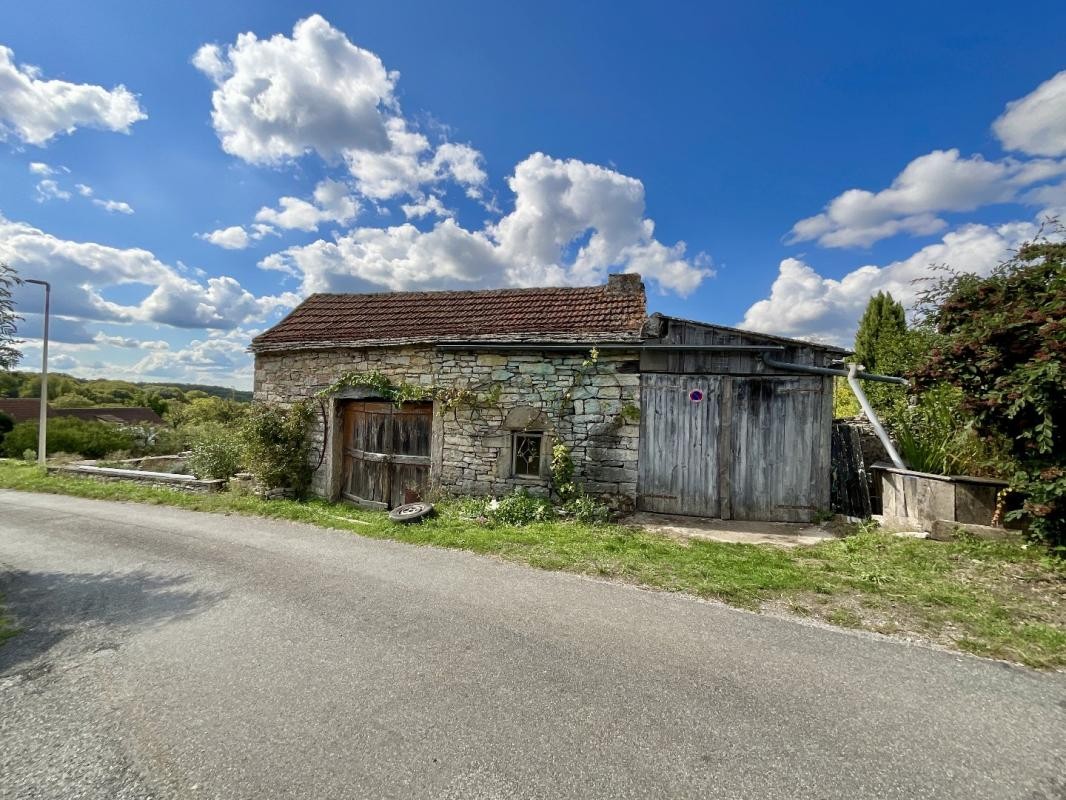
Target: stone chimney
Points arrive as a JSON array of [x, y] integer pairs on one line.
[[624, 283]]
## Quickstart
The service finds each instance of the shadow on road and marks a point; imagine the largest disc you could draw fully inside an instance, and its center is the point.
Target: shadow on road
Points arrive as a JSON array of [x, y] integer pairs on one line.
[[98, 608]]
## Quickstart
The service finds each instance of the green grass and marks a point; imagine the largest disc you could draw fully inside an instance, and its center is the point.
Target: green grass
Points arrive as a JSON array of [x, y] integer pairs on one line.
[[7, 625], [998, 599]]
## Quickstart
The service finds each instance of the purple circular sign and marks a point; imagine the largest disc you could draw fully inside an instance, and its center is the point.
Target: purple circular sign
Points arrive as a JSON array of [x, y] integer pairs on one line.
[[695, 395]]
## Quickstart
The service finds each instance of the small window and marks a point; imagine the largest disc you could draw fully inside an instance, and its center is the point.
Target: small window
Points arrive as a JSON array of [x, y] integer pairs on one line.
[[525, 453]]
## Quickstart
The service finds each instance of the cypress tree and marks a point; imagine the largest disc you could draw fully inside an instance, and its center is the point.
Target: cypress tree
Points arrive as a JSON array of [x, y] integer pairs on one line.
[[883, 321]]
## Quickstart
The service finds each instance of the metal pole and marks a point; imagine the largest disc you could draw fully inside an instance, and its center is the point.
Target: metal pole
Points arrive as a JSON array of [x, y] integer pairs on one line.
[[868, 410], [42, 425]]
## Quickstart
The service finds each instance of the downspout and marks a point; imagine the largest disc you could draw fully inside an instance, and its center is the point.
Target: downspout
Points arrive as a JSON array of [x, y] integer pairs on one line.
[[853, 375], [867, 409]]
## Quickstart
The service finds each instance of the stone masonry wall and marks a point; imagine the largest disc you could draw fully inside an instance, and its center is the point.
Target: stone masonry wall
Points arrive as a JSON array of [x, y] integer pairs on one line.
[[475, 453]]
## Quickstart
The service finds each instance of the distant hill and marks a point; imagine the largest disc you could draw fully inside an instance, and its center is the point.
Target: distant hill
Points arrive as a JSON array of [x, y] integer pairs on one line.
[[72, 391], [225, 392]]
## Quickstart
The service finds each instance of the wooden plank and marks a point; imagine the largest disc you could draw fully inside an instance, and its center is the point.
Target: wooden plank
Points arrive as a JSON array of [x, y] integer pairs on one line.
[[777, 449], [678, 460], [725, 446]]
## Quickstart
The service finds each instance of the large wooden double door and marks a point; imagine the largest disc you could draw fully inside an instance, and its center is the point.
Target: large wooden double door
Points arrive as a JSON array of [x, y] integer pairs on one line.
[[735, 447], [386, 452]]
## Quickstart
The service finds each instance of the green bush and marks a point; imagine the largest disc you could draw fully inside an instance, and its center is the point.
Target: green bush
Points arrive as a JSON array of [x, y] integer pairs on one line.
[[71, 435], [218, 456], [587, 510], [276, 445], [521, 508], [1001, 346], [6, 424]]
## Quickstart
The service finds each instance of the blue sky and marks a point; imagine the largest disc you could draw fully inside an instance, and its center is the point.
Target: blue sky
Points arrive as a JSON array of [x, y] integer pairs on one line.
[[762, 165]]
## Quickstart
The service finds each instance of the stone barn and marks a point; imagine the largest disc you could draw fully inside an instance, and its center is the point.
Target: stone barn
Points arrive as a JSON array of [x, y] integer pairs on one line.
[[467, 392]]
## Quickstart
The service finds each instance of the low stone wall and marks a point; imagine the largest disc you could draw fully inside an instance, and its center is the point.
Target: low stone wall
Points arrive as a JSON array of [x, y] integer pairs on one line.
[[919, 500], [182, 483], [579, 406]]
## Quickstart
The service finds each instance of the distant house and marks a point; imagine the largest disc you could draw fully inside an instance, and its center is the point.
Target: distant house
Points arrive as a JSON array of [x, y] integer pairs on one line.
[[671, 415], [28, 409]]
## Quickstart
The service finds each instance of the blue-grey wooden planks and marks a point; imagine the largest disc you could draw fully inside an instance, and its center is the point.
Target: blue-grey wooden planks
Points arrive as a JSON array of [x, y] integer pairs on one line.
[[753, 448]]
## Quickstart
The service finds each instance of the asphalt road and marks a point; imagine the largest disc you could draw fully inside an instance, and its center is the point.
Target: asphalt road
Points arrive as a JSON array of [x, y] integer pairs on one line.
[[174, 654]]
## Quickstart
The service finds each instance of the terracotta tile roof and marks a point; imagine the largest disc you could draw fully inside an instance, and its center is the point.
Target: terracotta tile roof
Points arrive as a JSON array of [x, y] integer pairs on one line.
[[21, 409], [613, 311], [124, 415], [28, 409]]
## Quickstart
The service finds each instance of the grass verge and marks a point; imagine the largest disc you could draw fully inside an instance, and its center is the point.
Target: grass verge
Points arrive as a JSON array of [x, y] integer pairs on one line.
[[998, 599]]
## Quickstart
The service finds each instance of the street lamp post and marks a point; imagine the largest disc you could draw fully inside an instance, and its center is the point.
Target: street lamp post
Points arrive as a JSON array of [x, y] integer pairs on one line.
[[42, 426]]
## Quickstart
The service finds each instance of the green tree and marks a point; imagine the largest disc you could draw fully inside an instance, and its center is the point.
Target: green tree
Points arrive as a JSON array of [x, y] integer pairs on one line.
[[71, 400], [9, 384], [1003, 348], [68, 435], [9, 354], [882, 325]]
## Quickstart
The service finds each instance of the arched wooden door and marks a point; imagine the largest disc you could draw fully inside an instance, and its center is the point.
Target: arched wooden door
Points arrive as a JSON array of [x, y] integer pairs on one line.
[[386, 452]]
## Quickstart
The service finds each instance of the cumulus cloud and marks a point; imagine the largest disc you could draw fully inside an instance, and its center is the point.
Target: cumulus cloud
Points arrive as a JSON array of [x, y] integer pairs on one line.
[[805, 304], [237, 237], [316, 92], [937, 182], [571, 223], [331, 203], [113, 206], [279, 98], [411, 163], [130, 343], [40, 168], [48, 189], [82, 272], [1036, 123], [217, 358], [234, 237], [35, 110]]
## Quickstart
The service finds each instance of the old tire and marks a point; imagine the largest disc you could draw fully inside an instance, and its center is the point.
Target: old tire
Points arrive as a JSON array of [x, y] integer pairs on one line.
[[411, 512]]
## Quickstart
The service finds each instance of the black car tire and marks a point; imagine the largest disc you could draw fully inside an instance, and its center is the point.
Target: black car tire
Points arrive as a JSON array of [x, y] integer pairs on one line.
[[411, 512]]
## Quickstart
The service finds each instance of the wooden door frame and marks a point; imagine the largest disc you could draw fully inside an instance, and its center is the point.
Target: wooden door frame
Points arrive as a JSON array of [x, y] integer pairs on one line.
[[350, 456]]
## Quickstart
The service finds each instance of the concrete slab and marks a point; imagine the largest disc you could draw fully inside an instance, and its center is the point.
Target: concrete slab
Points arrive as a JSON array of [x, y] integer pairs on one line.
[[779, 534]]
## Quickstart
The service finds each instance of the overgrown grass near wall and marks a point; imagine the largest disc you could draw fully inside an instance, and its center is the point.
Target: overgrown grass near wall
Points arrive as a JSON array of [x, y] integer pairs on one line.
[[999, 599]]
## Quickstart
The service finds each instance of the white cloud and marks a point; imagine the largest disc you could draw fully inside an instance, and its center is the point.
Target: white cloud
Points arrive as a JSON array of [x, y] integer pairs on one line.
[[48, 189], [40, 168], [130, 343], [83, 190], [430, 204], [805, 304], [937, 182], [35, 110], [560, 207], [331, 203], [236, 237], [1036, 123], [62, 361], [232, 238], [219, 357], [279, 98], [410, 163], [81, 272], [113, 206]]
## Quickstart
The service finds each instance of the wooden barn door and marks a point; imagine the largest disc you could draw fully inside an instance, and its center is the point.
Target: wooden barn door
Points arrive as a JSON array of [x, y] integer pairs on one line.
[[386, 452], [678, 467], [779, 469]]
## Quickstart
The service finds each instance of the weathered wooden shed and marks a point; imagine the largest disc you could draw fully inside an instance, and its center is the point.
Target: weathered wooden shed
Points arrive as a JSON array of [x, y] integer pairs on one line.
[[670, 416], [725, 434]]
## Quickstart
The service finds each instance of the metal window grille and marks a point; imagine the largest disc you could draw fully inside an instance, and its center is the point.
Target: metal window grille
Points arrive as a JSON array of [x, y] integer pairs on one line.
[[525, 453]]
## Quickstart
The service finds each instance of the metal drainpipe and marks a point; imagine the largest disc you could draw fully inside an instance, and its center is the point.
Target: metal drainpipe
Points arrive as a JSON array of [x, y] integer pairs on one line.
[[867, 409], [853, 375]]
